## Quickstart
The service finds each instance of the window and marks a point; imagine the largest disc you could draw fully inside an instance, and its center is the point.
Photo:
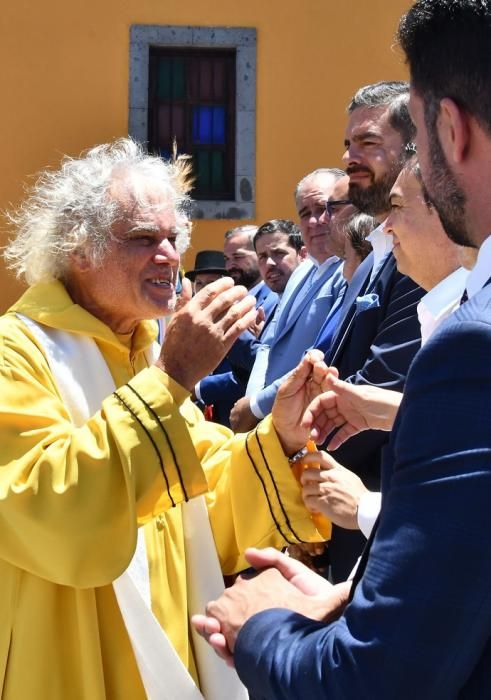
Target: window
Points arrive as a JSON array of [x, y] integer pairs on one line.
[[197, 84], [192, 99]]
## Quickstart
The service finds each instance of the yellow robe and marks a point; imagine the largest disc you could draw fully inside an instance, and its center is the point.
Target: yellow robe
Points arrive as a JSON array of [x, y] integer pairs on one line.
[[71, 500]]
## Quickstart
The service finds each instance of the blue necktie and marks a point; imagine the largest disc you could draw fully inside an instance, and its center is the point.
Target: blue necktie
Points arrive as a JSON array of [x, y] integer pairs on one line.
[[328, 330]]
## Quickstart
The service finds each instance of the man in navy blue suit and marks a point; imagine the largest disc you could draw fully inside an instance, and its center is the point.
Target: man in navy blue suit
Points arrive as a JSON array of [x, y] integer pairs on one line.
[[419, 621], [376, 332]]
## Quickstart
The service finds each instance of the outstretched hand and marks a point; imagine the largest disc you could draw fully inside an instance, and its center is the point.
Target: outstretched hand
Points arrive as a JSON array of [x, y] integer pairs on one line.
[[296, 393], [202, 332], [349, 409]]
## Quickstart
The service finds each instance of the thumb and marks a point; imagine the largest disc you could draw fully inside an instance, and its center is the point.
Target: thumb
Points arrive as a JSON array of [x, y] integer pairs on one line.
[[331, 379], [269, 557], [187, 289], [299, 376]]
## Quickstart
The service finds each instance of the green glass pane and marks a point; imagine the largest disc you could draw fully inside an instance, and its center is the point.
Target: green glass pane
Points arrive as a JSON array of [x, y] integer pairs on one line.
[[203, 169], [164, 79], [178, 82], [216, 170]]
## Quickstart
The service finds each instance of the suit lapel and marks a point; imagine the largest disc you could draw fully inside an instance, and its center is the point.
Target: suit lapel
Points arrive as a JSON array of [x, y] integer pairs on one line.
[[283, 320], [362, 562], [261, 294], [355, 289], [363, 286], [264, 336], [290, 317]]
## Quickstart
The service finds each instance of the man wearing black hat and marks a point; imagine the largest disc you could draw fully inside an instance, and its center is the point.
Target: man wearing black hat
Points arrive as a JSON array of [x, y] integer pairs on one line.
[[208, 267]]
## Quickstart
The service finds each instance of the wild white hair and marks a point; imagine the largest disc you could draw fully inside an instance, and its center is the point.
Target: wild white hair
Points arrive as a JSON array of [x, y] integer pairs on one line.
[[71, 209]]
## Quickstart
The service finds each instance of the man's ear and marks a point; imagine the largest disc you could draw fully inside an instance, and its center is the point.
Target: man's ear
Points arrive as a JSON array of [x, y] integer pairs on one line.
[[453, 130], [80, 260]]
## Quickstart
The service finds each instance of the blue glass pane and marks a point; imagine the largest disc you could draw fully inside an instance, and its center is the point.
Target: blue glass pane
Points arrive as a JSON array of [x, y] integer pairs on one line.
[[218, 135], [209, 125], [202, 121]]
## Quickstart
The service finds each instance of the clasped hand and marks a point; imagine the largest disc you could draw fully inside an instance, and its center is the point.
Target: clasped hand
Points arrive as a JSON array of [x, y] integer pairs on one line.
[[281, 582]]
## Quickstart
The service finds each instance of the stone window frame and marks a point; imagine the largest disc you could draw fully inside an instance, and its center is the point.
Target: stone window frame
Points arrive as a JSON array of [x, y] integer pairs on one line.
[[243, 40]]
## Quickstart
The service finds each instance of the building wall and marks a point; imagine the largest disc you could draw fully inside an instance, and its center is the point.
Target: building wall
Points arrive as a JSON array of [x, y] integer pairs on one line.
[[64, 85]]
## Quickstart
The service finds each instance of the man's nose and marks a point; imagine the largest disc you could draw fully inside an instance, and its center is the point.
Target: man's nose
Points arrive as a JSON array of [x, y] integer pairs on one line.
[[316, 218], [166, 253], [388, 225], [351, 156]]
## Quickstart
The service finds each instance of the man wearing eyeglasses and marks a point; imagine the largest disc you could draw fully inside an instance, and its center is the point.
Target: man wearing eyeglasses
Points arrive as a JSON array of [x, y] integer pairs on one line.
[[310, 294]]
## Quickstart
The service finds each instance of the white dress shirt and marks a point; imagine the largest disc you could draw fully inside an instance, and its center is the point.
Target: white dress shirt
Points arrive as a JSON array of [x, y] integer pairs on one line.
[[440, 302], [382, 245]]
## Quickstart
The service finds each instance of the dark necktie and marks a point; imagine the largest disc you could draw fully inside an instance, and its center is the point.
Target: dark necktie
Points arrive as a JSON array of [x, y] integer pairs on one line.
[[464, 297]]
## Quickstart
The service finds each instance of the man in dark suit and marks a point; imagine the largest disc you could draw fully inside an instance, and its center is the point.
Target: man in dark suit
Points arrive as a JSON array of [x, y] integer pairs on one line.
[[419, 622], [376, 335]]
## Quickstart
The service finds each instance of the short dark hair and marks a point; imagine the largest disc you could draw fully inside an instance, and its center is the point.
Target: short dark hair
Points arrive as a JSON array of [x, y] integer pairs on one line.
[[447, 45], [393, 94], [283, 226]]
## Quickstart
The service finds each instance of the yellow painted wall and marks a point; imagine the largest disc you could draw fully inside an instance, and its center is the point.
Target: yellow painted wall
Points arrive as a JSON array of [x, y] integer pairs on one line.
[[64, 84]]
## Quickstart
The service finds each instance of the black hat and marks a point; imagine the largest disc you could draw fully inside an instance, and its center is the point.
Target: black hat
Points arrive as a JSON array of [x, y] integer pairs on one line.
[[208, 261]]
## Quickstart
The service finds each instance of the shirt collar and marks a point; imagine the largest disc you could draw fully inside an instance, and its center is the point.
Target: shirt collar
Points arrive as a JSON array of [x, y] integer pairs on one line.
[[440, 302], [323, 266], [254, 290], [382, 244], [481, 271], [445, 292]]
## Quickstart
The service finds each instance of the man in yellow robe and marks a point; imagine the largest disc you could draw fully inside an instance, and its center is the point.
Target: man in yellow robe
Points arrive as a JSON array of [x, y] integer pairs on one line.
[[98, 242]]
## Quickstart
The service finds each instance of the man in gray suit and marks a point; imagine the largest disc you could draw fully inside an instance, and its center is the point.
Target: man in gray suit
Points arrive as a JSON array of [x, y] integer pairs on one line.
[[309, 296]]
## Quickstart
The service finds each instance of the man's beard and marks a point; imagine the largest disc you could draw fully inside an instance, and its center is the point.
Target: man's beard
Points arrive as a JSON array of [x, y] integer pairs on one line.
[[248, 278], [374, 199], [444, 192]]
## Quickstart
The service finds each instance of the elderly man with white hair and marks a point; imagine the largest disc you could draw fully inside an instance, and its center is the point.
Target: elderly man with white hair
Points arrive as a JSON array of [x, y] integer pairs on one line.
[[99, 437]]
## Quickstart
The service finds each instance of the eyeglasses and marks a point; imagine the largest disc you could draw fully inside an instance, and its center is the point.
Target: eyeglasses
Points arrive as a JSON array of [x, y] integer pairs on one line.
[[332, 204]]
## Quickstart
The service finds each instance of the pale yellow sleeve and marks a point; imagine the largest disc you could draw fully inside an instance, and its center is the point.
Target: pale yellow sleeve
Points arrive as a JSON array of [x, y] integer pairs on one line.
[[254, 500], [70, 498]]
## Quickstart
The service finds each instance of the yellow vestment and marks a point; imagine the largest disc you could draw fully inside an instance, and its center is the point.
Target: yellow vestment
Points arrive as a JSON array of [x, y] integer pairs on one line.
[[71, 500]]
